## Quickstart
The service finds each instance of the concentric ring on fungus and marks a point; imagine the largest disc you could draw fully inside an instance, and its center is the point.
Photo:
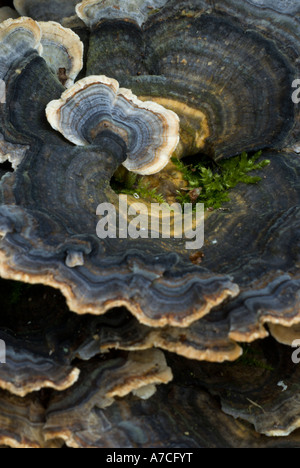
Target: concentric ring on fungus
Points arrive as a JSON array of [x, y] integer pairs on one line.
[[182, 79]]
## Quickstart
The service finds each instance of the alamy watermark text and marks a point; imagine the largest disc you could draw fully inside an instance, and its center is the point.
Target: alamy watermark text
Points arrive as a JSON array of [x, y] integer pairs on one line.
[[154, 221], [296, 93], [2, 352]]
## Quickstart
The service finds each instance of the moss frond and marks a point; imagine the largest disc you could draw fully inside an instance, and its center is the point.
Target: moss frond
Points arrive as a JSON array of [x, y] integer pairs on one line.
[[216, 184]]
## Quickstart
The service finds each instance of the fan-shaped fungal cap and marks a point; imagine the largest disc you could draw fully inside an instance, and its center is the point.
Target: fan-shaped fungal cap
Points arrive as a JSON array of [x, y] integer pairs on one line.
[[22, 421], [287, 335], [205, 340], [62, 50], [136, 372], [158, 286], [60, 47], [178, 415], [26, 371], [46, 10], [93, 11], [16, 38], [96, 104], [262, 389], [197, 62]]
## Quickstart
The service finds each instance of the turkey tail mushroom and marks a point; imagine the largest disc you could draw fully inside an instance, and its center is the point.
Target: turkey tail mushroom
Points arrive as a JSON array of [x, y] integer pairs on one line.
[[113, 272], [60, 47], [18, 37], [230, 85], [226, 71], [45, 10], [93, 12], [96, 104], [62, 50]]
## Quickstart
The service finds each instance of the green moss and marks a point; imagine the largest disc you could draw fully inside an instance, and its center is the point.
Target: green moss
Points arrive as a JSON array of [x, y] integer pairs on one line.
[[215, 183], [208, 182], [129, 183]]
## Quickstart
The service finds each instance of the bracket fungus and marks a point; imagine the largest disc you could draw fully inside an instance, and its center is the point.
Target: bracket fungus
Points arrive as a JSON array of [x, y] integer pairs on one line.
[[45, 10], [96, 104], [157, 78], [260, 388], [169, 281], [62, 50], [92, 12], [60, 47], [192, 60], [28, 371]]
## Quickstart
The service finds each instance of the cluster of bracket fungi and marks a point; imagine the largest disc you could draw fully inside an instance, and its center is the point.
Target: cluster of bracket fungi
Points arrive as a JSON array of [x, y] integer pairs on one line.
[[146, 351]]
